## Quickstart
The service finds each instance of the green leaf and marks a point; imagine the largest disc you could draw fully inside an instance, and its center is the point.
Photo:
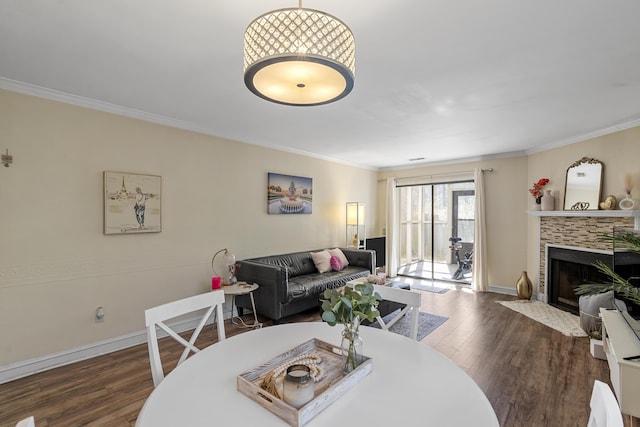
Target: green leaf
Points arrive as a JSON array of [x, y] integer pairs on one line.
[[618, 284], [329, 317]]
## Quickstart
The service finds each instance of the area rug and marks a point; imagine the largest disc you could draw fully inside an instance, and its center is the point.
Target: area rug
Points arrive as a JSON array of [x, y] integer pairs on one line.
[[429, 288], [427, 323], [566, 323]]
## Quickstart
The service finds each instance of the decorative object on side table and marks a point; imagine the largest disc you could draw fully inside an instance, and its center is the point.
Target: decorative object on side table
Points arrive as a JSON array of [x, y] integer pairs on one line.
[[524, 287], [229, 260], [536, 192], [349, 306]]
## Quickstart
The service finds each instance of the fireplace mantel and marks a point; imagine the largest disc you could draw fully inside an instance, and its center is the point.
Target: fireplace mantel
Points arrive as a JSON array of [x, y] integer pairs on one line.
[[600, 213], [592, 213]]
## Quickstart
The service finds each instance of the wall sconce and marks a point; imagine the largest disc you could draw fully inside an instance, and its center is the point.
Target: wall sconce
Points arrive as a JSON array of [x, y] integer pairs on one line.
[[7, 159], [356, 232], [229, 260]]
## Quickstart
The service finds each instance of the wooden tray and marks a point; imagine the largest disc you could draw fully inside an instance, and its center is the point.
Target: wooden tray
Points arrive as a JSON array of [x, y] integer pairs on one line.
[[333, 384]]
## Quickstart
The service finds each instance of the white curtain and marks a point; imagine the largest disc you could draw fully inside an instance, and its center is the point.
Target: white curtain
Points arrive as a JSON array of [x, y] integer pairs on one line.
[[392, 229], [480, 280]]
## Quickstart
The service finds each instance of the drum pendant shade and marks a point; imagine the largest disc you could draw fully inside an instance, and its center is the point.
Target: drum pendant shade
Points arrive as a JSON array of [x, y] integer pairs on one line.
[[299, 57]]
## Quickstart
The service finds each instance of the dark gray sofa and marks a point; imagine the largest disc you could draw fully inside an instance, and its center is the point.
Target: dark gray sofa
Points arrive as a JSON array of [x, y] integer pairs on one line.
[[290, 283]]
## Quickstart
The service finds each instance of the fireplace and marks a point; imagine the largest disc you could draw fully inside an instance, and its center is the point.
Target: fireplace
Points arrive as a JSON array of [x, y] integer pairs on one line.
[[568, 267]]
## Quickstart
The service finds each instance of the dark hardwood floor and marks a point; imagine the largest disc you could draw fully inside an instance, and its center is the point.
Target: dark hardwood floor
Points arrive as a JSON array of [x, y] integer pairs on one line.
[[532, 375]]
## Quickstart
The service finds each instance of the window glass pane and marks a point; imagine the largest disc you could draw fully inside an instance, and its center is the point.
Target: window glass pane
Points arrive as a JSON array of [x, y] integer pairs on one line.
[[429, 216], [415, 203]]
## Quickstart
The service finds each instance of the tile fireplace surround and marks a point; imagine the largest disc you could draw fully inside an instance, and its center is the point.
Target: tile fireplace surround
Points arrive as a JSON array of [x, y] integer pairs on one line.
[[580, 229]]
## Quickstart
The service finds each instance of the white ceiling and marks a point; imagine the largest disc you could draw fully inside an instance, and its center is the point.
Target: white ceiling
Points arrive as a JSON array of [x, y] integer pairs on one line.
[[443, 80]]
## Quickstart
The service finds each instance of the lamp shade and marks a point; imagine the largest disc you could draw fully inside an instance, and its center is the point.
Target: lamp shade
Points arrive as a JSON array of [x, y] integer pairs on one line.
[[299, 56], [229, 260], [355, 213]]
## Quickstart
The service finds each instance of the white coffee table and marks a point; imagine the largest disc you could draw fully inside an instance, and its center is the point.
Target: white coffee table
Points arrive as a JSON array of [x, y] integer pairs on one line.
[[242, 288]]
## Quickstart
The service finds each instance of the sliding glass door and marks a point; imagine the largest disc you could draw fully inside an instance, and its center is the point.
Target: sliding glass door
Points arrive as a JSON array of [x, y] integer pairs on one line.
[[436, 230]]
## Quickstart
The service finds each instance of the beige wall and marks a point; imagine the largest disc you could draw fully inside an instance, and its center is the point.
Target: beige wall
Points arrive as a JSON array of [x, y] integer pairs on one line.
[[506, 198], [620, 153], [56, 266]]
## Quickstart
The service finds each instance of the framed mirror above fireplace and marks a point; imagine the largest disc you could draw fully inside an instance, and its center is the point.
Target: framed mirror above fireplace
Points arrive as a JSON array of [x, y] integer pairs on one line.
[[583, 185]]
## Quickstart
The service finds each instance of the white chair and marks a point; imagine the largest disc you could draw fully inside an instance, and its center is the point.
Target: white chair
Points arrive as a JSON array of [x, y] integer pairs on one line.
[[404, 296], [605, 411], [157, 315], [27, 422]]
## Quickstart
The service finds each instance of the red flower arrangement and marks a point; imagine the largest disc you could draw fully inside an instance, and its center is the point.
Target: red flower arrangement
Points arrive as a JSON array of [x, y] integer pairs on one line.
[[536, 190]]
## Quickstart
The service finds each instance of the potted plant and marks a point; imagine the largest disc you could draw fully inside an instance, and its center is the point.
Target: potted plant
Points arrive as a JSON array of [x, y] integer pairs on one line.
[[348, 306], [536, 191], [618, 284]]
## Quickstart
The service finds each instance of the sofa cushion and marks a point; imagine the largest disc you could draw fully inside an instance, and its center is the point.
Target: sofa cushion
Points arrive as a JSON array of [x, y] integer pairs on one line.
[[311, 285], [338, 252], [336, 264], [322, 260]]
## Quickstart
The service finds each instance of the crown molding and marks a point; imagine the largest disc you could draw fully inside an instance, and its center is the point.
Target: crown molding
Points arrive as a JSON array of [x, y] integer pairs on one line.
[[80, 101], [93, 104], [584, 137]]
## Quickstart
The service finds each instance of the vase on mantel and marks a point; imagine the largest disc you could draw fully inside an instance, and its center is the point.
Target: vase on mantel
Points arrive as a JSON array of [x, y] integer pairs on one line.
[[548, 202], [627, 203], [524, 287], [535, 206]]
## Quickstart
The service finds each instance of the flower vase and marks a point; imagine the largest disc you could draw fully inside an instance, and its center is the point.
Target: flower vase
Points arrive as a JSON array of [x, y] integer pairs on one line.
[[351, 347], [524, 287], [535, 206], [548, 201], [627, 203]]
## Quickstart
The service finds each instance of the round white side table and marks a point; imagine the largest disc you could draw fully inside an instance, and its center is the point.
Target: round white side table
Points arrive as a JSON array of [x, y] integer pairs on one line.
[[242, 288]]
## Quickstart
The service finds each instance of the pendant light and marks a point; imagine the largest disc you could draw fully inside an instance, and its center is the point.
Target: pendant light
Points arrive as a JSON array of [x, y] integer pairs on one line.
[[299, 57]]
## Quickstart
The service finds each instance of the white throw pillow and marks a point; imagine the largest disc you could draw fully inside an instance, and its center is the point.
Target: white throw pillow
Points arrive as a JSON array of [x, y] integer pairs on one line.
[[322, 260], [338, 252]]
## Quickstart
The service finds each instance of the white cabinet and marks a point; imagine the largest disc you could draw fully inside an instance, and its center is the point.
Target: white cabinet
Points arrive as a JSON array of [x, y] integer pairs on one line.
[[619, 342]]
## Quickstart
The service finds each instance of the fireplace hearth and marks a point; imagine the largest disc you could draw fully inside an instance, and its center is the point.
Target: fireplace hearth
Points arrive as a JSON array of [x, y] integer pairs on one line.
[[568, 268]]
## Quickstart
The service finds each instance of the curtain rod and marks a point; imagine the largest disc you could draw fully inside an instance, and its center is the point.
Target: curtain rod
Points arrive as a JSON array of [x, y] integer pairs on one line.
[[437, 174]]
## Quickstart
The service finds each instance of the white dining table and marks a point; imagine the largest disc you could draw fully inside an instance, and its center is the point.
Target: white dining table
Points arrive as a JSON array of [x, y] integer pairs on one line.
[[410, 383]]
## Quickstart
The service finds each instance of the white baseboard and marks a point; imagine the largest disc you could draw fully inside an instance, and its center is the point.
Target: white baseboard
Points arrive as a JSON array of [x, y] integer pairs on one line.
[[512, 291], [28, 367], [502, 290]]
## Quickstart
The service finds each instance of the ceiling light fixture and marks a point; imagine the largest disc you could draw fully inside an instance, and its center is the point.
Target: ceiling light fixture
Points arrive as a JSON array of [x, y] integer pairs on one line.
[[299, 57]]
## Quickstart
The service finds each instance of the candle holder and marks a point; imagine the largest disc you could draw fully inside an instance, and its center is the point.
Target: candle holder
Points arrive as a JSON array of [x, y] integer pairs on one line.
[[298, 386]]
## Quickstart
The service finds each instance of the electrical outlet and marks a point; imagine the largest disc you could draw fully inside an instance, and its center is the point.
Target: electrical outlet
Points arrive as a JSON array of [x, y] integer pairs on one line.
[[99, 314]]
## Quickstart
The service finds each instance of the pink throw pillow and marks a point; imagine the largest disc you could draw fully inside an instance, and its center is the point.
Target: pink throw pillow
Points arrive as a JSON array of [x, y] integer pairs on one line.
[[336, 263]]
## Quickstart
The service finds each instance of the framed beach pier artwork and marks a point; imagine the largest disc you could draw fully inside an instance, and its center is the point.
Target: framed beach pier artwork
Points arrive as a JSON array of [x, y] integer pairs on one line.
[[288, 194], [132, 203]]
